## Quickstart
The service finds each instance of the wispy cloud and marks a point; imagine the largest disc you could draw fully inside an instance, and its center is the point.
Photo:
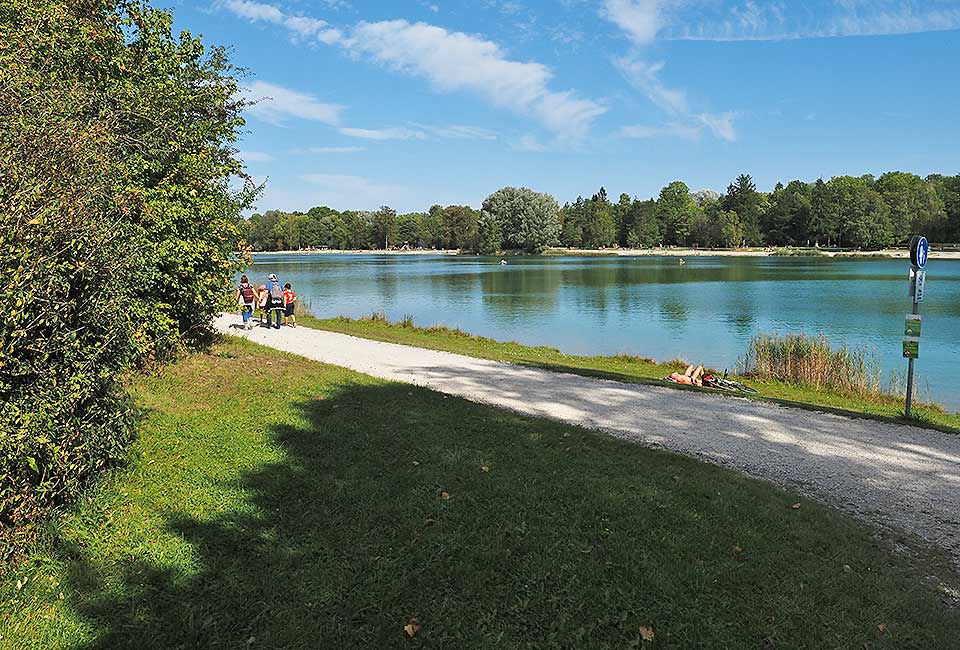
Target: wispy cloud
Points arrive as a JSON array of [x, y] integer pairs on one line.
[[457, 132], [346, 191], [690, 128], [638, 18], [451, 62], [335, 149], [301, 26], [393, 133], [254, 156], [641, 20], [754, 21], [275, 104], [454, 61]]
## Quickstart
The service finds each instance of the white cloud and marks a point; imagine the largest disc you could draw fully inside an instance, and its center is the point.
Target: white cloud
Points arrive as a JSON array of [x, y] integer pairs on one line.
[[753, 21], [530, 142], [275, 104], [335, 149], [688, 128], [684, 130], [720, 124], [454, 61], [457, 132], [644, 76], [393, 133], [302, 26], [254, 156], [347, 192], [638, 18], [450, 61], [641, 20]]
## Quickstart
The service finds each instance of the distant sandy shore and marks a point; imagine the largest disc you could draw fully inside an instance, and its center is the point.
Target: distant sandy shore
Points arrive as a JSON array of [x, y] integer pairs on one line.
[[362, 252], [644, 252], [749, 252]]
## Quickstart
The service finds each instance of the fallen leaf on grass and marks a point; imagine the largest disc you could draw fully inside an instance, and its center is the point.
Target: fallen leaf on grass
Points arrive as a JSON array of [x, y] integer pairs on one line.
[[795, 506], [412, 627], [646, 633], [19, 585], [416, 462]]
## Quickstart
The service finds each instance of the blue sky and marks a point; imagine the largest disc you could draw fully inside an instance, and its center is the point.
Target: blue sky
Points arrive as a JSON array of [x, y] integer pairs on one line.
[[413, 102]]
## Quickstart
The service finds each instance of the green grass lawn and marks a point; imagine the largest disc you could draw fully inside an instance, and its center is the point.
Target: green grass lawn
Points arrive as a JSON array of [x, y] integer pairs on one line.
[[275, 502], [628, 369]]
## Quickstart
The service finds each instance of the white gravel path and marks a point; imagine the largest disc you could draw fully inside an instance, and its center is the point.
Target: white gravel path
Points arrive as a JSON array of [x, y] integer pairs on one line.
[[899, 476]]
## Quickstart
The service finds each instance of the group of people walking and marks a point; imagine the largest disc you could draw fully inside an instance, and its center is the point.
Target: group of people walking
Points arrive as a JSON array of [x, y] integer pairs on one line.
[[269, 299]]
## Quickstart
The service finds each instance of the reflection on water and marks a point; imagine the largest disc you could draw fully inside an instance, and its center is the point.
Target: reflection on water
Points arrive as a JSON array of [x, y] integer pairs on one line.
[[705, 310]]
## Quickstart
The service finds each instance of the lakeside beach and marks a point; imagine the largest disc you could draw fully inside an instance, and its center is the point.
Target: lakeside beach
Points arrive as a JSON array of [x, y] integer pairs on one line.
[[643, 252]]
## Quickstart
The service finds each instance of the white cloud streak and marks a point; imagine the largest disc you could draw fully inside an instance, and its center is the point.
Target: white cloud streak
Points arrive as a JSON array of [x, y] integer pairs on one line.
[[638, 18], [450, 62], [454, 61], [301, 26], [254, 156], [641, 21], [275, 104], [335, 149], [777, 21], [393, 133]]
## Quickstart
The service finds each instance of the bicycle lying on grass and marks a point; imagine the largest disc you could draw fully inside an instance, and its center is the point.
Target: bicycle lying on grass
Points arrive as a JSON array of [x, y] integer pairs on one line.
[[696, 377], [722, 383]]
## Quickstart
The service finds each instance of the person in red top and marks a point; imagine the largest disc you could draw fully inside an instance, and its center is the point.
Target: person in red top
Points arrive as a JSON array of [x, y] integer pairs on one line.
[[289, 305]]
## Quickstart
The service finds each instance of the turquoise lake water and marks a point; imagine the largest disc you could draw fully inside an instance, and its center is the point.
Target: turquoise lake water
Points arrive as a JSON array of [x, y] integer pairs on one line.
[[705, 311]]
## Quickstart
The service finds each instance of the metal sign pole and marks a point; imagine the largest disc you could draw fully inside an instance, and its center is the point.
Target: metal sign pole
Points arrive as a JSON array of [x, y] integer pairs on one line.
[[916, 310], [919, 253]]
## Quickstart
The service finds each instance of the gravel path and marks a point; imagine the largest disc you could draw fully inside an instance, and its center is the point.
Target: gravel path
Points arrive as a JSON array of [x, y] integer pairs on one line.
[[893, 475]]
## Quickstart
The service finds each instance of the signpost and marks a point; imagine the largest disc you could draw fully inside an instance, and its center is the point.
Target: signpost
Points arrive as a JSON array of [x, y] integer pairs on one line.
[[919, 253]]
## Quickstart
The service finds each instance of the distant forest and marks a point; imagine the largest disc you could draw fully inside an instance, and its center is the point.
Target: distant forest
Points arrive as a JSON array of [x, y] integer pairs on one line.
[[845, 212]]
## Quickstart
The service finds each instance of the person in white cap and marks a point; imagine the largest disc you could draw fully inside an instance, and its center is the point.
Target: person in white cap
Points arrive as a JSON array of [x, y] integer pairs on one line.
[[274, 301]]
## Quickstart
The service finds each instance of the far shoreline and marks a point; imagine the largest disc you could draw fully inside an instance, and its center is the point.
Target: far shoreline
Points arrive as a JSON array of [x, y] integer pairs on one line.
[[640, 252]]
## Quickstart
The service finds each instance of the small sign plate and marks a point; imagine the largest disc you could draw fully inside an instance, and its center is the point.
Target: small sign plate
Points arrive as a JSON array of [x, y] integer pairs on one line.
[[919, 252], [911, 347], [912, 325], [919, 279]]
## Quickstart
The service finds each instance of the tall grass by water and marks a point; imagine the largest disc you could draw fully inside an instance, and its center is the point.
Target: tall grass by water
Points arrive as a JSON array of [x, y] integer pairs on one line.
[[811, 361]]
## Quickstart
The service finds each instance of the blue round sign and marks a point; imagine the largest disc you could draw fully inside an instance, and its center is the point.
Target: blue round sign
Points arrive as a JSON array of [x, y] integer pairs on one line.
[[919, 252]]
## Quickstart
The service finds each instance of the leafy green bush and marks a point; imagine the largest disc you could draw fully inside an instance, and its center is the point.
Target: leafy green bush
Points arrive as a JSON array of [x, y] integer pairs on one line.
[[118, 230]]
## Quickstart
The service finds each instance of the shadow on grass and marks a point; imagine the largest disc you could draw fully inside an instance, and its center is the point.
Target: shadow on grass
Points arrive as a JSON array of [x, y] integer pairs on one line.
[[382, 511]]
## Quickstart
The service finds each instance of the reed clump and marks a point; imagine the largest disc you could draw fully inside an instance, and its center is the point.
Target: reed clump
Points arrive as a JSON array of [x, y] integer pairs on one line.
[[813, 362]]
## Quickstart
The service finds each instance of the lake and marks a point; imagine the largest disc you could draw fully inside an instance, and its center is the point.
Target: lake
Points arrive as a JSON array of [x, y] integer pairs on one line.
[[705, 311]]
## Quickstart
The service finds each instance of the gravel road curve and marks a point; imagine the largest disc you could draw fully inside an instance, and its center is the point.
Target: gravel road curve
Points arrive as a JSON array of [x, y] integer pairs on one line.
[[893, 475]]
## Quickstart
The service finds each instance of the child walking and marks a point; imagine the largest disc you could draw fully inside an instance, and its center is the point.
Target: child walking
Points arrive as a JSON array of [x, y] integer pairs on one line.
[[289, 305], [246, 297]]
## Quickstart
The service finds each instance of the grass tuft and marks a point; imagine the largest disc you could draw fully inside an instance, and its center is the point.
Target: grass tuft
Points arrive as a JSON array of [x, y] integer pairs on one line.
[[811, 361]]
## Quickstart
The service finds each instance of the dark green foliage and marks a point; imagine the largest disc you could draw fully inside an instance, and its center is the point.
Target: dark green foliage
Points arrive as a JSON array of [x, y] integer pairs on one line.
[[119, 233], [844, 211]]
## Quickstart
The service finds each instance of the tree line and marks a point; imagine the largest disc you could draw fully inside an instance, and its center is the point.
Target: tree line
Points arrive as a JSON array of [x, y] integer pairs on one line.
[[845, 212]]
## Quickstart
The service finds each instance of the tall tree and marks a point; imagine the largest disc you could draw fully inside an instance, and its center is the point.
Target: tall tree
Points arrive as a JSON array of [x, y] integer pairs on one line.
[[676, 210], [384, 228], [915, 205], [743, 198], [528, 220]]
